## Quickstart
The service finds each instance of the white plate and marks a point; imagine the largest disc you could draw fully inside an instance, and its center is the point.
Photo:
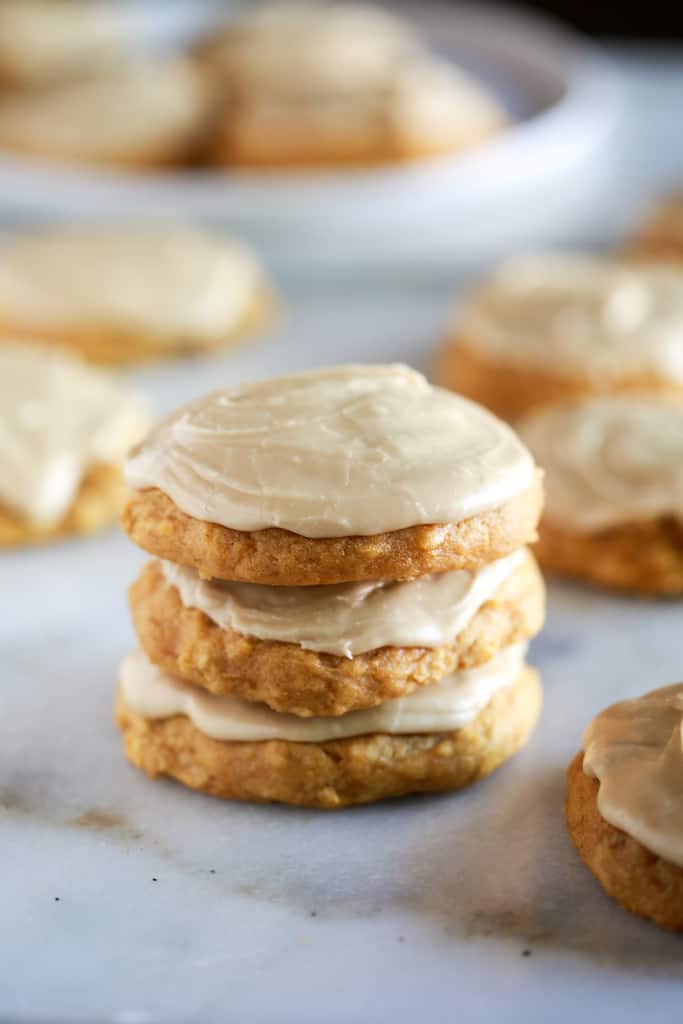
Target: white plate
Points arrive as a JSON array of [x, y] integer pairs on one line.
[[561, 94]]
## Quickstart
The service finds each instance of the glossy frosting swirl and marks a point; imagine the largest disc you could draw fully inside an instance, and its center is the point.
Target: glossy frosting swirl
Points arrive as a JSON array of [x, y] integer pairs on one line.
[[582, 315], [57, 418], [609, 460], [635, 750], [352, 450]]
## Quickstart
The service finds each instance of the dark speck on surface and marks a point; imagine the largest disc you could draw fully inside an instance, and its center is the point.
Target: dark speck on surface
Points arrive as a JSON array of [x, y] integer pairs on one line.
[[526, 952]]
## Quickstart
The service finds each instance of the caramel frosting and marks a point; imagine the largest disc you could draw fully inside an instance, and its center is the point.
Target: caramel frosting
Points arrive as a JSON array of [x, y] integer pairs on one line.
[[57, 419], [42, 41], [441, 707], [168, 284], [145, 111], [349, 618], [581, 315], [609, 460], [351, 450], [347, 68], [635, 750]]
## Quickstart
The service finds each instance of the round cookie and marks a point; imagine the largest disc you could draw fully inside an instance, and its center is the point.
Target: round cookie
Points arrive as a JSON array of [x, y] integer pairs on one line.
[[624, 803], [135, 117], [337, 773], [64, 430], [339, 475], [547, 328], [614, 480], [122, 294], [308, 84], [186, 641], [660, 235]]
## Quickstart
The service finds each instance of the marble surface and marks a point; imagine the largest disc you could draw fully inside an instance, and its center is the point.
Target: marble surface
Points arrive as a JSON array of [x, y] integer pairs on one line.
[[131, 901]]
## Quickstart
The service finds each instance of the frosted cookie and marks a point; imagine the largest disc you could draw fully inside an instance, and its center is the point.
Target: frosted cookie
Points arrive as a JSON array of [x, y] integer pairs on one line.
[[555, 326], [64, 430], [139, 116], [43, 41], [439, 738], [625, 804], [614, 479], [660, 234], [120, 294], [316, 84], [329, 650], [338, 475]]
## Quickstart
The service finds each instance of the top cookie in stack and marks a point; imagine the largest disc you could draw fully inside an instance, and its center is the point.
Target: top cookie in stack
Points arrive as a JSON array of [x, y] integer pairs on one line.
[[340, 602]]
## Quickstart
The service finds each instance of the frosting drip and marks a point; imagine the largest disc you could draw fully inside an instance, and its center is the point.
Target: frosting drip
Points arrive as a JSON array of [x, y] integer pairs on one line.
[[441, 707], [635, 750], [609, 460], [167, 283], [352, 450], [580, 315], [349, 618], [57, 418]]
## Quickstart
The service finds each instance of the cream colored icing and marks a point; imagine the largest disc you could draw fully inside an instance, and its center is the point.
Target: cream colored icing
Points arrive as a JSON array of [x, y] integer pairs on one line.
[[577, 314], [331, 453], [349, 618], [57, 418], [441, 707], [609, 460], [169, 284], [41, 40], [348, 69], [635, 750], [141, 111]]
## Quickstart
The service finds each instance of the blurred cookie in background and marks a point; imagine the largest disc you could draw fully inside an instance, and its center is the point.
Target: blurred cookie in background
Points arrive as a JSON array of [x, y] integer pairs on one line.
[[552, 326], [64, 431], [305, 84], [121, 294], [142, 115], [614, 490], [660, 233], [43, 42]]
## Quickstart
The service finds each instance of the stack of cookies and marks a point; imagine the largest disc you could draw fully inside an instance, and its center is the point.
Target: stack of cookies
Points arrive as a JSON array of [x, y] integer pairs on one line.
[[340, 600]]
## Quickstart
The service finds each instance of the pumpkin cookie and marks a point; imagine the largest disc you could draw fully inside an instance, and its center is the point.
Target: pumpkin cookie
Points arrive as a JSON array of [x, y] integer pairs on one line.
[[614, 476], [134, 117], [64, 430], [121, 294], [467, 727], [553, 327], [339, 475], [625, 802], [328, 650], [309, 84], [43, 42]]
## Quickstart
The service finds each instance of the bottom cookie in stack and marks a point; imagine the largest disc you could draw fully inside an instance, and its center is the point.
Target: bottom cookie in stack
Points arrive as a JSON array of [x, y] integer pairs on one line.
[[440, 737], [625, 804]]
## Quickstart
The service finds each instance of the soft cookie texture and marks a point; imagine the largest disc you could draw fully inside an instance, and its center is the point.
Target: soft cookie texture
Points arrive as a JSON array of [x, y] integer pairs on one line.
[[558, 326], [280, 557], [338, 773], [187, 643], [305, 85], [638, 879], [128, 293]]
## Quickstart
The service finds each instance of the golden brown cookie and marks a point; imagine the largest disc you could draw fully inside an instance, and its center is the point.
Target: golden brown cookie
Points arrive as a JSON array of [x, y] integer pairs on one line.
[[341, 772], [96, 505], [279, 557], [638, 879], [646, 557], [511, 391], [187, 643], [659, 236]]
